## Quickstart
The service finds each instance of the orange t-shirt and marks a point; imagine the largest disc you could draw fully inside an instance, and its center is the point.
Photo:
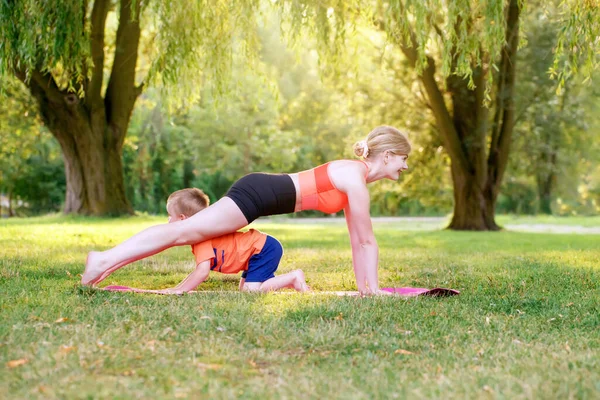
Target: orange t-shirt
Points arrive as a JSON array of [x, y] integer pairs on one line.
[[230, 253]]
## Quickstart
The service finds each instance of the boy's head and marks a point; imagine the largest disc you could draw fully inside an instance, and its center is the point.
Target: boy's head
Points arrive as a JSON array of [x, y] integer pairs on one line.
[[184, 203]]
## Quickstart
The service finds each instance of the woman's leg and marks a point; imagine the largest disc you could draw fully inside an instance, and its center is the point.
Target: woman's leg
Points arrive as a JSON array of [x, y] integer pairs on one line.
[[220, 218]]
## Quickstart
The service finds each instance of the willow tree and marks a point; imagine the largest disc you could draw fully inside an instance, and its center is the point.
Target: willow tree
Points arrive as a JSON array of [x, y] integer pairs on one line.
[[464, 52], [81, 61]]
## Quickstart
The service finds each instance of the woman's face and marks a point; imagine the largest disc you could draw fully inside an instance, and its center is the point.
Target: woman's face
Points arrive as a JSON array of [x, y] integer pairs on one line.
[[396, 164]]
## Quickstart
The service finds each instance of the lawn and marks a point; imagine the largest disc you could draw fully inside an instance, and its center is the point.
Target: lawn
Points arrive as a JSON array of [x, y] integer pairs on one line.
[[527, 324]]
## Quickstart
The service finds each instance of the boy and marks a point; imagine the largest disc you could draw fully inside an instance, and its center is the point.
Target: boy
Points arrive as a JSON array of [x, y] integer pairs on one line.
[[253, 252]]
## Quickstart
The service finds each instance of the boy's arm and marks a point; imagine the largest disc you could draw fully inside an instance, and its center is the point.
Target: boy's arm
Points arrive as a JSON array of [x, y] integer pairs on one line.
[[194, 279]]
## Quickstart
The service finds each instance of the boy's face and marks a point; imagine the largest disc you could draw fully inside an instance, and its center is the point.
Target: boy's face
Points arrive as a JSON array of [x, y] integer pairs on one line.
[[172, 215]]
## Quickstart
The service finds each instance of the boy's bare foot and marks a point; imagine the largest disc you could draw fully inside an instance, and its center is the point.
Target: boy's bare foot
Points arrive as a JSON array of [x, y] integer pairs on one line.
[[95, 269], [300, 281]]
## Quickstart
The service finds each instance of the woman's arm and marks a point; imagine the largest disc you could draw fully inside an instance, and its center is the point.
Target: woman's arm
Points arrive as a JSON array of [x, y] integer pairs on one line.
[[365, 252]]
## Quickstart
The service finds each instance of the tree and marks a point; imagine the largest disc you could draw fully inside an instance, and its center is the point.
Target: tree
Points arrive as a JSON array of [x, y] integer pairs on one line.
[[473, 99], [462, 117], [465, 54], [80, 61]]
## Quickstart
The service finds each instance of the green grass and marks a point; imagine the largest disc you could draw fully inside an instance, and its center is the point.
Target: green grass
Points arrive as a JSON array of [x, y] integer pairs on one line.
[[527, 324], [583, 221]]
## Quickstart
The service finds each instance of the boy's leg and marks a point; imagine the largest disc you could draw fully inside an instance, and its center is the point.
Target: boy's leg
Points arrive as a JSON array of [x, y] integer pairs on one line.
[[260, 275], [293, 280]]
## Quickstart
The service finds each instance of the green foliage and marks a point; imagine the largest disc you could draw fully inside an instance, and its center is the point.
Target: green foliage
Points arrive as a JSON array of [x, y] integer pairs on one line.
[[31, 169], [577, 45], [48, 35], [554, 145], [194, 44], [190, 42], [518, 196], [292, 123]]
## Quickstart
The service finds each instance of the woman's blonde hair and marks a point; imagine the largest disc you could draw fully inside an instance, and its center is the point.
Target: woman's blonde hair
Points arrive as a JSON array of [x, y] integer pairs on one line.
[[188, 201], [381, 139]]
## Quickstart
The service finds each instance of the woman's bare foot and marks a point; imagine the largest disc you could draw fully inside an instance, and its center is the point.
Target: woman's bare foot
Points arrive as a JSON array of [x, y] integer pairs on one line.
[[96, 269]]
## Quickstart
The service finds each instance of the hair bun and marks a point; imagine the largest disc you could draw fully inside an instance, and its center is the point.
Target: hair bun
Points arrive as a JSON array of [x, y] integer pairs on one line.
[[361, 149]]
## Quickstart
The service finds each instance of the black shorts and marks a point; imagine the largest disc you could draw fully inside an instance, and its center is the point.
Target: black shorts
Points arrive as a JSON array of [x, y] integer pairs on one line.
[[261, 194]]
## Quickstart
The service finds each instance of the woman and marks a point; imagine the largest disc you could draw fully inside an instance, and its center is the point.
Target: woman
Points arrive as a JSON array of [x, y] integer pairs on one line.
[[332, 187]]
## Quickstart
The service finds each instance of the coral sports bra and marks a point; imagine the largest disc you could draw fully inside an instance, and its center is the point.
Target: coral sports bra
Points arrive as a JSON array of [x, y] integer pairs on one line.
[[319, 193]]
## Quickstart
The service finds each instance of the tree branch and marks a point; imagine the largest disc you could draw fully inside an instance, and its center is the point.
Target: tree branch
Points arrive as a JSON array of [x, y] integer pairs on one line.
[[448, 133], [450, 136], [505, 114], [98, 20], [43, 81], [121, 92], [439, 32]]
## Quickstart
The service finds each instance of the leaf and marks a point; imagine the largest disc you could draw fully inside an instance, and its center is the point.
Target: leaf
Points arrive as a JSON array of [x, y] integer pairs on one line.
[[151, 345], [209, 366], [17, 363], [402, 351], [61, 320], [67, 349]]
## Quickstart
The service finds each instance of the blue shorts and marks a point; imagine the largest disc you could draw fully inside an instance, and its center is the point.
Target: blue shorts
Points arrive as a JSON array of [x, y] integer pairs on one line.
[[262, 266]]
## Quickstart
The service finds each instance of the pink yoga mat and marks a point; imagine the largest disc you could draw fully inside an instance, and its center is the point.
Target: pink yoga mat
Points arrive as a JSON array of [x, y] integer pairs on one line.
[[402, 291], [117, 288], [413, 291]]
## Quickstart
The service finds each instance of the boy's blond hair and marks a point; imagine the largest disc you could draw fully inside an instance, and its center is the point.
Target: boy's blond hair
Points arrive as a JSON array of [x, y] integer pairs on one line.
[[188, 201]]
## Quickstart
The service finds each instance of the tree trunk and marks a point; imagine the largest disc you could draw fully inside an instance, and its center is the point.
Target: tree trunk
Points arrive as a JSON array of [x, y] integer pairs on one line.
[[188, 172], [546, 179], [10, 210], [473, 209], [545, 196], [91, 130], [93, 166]]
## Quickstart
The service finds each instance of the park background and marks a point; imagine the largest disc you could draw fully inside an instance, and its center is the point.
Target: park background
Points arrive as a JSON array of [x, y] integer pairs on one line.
[[266, 92], [108, 106]]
